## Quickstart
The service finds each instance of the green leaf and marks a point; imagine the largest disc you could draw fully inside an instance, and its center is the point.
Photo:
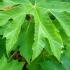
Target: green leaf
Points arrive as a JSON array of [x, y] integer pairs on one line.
[[65, 62], [64, 20], [26, 38], [11, 32], [48, 30], [13, 65], [35, 65], [2, 46], [6, 3], [35, 37], [48, 48], [54, 5], [38, 38], [67, 47], [3, 19], [51, 65]]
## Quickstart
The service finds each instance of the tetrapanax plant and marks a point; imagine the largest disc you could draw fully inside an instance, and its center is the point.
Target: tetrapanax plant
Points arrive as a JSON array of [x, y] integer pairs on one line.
[[41, 28]]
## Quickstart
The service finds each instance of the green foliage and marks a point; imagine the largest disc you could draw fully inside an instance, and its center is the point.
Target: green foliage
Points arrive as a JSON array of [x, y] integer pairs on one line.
[[39, 30]]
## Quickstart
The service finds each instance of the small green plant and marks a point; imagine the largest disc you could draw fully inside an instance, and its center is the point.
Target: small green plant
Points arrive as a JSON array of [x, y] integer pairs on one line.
[[34, 35]]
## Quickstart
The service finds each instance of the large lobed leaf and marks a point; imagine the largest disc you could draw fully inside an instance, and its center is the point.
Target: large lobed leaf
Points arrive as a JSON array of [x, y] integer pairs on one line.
[[32, 39]]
